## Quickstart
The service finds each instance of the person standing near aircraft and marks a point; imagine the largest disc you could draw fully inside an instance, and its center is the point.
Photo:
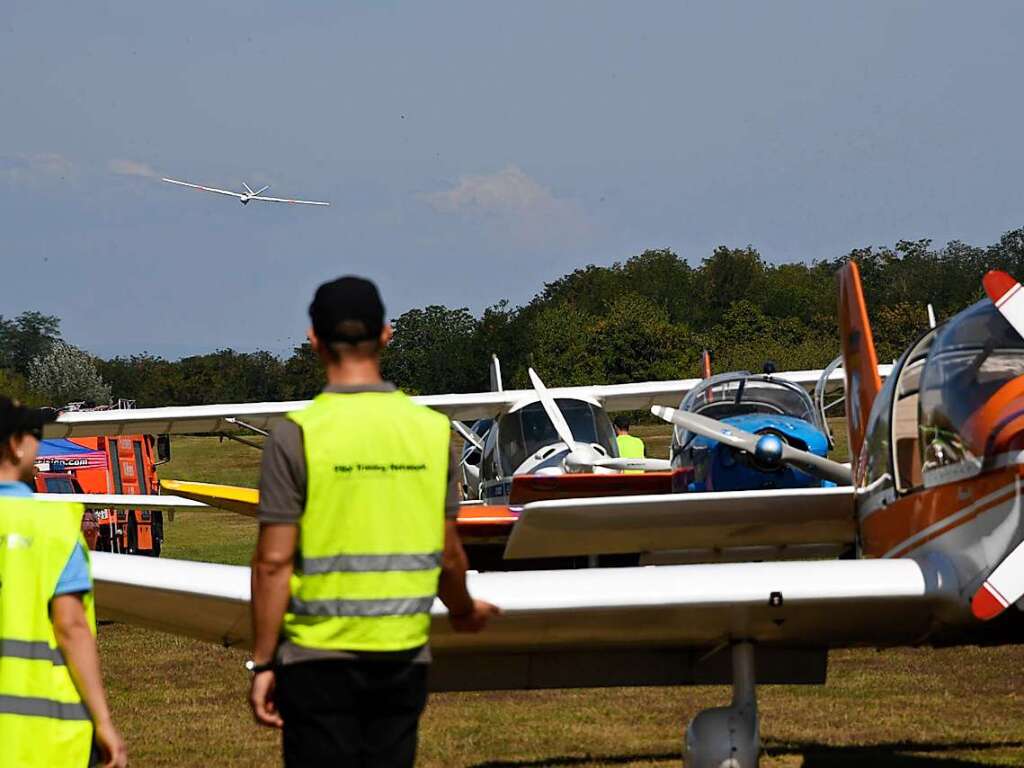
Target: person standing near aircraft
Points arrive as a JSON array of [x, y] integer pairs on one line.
[[358, 499], [52, 703], [629, 447]]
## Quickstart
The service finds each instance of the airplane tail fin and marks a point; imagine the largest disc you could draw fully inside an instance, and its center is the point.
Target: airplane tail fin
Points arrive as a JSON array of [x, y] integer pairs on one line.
[[496, 383], [705, 364], [248, 188], [859, 359]]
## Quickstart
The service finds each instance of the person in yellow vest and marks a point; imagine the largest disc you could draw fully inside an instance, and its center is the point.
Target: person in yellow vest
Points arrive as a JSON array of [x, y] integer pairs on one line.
[[53, 710], [358, 498], [629, 447]]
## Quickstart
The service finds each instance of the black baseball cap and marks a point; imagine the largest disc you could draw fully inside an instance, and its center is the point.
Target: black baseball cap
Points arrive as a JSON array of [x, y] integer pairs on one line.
[[17, 419], [347, 310]]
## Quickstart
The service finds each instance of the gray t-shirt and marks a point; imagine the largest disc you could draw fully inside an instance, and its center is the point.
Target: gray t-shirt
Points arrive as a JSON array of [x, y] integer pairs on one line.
[[283, 499]]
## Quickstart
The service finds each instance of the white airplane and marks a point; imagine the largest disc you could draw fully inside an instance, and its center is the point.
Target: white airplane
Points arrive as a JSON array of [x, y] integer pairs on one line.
[[245, 197]]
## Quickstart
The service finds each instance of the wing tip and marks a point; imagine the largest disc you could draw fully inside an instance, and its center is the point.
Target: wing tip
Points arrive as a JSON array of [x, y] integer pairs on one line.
[[997, 284], [986, 603]]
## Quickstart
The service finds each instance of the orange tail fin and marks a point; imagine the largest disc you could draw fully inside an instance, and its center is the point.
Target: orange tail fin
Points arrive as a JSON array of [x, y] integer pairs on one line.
[[859, 359], [705, 364]]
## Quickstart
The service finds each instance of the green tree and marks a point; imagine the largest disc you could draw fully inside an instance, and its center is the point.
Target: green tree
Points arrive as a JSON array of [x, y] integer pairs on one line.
[[26, 337], [635, 341], [303, 374], [65, 374], [564, 347], [435, 350]]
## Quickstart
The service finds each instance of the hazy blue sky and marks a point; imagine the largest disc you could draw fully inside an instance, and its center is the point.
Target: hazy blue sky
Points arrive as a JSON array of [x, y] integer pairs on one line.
[[474, 150]]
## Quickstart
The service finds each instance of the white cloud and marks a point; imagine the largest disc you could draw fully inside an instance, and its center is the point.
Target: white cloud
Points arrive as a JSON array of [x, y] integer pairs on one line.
[[525, 207], [132, 168], [35, 169]]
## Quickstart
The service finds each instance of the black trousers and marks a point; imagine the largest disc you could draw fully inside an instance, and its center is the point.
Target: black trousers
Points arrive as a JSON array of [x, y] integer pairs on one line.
[[351, 713]]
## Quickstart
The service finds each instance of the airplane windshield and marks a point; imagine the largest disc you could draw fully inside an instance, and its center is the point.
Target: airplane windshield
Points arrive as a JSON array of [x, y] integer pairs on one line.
[[738, 394], [526, 431], [972, 358]]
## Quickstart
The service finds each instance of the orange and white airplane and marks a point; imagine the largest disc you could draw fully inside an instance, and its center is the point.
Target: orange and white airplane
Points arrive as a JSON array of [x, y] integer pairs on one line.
[[934, 518]]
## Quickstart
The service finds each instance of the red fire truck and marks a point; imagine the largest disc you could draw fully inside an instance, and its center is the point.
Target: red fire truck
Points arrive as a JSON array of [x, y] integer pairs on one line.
[[124, 465]]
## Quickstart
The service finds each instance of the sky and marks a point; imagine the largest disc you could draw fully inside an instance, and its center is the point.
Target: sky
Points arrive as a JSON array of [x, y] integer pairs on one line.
[[473, 151]]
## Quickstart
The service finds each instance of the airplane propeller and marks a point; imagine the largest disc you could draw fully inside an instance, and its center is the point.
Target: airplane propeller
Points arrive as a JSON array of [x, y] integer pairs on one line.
[[1005, 585], [768, 450], [582, 456]]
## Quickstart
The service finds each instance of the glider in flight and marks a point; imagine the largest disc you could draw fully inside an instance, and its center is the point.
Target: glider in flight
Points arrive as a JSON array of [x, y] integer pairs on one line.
[[245, 197]]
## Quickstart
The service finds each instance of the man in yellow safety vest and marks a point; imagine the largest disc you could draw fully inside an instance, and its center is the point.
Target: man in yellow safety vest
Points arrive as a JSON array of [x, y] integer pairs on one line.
[[629, 447], [358, 498], [53, 710]]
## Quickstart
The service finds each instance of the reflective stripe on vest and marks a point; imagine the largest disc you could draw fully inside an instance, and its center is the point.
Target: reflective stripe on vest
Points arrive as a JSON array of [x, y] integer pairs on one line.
[[372, 530], [370, 563], [31, 649], [31, 706], [393, 606], [43, 721]]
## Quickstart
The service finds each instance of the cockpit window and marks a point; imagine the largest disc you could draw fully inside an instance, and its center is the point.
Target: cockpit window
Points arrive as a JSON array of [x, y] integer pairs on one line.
[[973, 357], [740, 393], [528, 430]]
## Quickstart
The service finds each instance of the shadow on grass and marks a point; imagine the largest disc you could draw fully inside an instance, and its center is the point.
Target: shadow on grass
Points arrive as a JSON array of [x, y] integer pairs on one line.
[[567, 760], [891, 755]]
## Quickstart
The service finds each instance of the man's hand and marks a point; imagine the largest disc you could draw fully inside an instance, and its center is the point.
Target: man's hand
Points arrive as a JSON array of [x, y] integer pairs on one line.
[[261, 699], [112, 747], [474, 619]]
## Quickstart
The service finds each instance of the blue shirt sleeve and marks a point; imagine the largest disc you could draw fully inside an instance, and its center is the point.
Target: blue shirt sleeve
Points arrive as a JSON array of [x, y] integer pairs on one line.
[[75, 577]]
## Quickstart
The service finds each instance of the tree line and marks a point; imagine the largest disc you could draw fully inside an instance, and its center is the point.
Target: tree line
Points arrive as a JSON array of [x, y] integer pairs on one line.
[[645, 318]]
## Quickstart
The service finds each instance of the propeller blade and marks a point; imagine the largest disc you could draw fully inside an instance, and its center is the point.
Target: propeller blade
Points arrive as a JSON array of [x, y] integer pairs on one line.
[[1003, 587], [468, 434], [644, 465], [552, 410], [702, 425], [1006, 295], [496, 383], [759, 446]]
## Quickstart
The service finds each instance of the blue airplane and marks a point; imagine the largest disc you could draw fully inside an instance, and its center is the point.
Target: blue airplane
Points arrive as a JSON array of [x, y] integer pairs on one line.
[[776, 417]]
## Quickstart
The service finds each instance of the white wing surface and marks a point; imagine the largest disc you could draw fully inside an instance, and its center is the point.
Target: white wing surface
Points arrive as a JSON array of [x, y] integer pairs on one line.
[[286, 200], [783, 518], [638, 613], [464, 407], [205, 189], [123, 501]]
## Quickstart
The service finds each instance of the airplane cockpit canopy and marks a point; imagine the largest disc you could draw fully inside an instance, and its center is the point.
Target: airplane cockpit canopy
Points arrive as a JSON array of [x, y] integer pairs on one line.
[[738, 393], [524, 432], [972, 387]]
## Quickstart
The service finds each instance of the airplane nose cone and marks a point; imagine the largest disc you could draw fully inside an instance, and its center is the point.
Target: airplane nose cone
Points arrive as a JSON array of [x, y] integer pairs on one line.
[[768, 451]]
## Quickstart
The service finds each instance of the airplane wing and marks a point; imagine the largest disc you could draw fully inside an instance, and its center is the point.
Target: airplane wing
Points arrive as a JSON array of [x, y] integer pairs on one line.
[[561, 628], [122, 500], [233, 498], [476, 521], [285, 200], [198, 419], [785, 519], [205, 189]]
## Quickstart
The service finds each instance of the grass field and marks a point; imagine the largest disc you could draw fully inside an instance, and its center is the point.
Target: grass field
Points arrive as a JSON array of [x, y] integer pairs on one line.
[[182, 703]]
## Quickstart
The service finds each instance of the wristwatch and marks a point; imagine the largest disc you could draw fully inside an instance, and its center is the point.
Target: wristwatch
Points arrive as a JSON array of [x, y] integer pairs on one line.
[[255, 668]]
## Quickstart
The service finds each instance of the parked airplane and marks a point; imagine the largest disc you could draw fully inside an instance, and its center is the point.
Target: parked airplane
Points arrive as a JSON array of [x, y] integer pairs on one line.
[[778, 412], [245, 197]]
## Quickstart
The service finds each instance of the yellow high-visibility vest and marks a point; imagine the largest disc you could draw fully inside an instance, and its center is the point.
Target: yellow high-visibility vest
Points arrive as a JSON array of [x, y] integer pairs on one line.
[[43, 721], [630, 448], [372, 531]]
